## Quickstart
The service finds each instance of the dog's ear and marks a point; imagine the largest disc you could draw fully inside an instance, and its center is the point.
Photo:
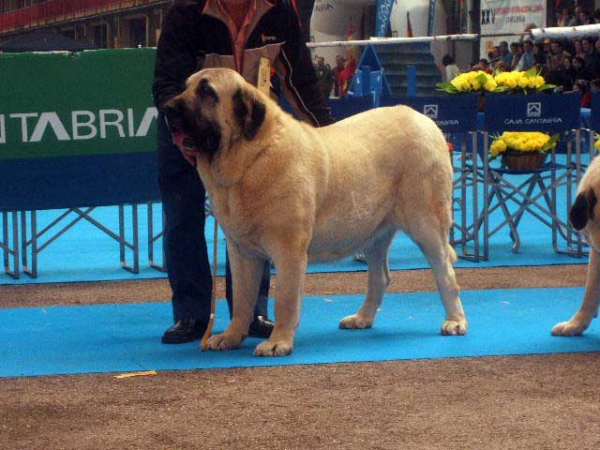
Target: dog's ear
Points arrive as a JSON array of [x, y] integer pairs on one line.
[[249, 112], [583, 209]]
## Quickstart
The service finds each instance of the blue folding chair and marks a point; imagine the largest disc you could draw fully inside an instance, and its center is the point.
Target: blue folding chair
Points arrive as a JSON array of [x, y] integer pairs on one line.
[[534, 190]]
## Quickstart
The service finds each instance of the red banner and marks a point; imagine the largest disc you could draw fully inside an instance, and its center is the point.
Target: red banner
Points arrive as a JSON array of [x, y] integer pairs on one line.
[[55, 11]]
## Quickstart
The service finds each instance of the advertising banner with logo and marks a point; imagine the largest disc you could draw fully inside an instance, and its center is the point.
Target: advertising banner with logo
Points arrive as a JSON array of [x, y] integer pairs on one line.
[[554, 113], [452, 113], [384, 12], [77, 129], [508, 16]]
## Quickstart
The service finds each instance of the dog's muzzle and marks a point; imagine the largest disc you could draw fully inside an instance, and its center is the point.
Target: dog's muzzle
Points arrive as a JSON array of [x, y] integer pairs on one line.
[[201, 136], [176, 123]]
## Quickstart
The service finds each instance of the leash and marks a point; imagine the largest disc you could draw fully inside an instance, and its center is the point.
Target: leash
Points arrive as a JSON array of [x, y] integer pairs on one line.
[[213, 296]]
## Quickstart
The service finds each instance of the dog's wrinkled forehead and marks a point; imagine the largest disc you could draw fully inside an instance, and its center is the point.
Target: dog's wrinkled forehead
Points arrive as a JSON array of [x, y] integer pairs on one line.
[[215, 82]]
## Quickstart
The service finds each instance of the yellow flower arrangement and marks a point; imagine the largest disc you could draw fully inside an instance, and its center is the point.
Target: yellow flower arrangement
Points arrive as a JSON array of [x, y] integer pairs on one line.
[[473, 81], [517, 143], [479, 81], [597, 143]]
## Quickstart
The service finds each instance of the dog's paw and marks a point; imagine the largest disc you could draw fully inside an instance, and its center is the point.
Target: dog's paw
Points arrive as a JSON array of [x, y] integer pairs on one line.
[[454, 327], [223, 342], [274, 348], [355, 321], [569, 328]]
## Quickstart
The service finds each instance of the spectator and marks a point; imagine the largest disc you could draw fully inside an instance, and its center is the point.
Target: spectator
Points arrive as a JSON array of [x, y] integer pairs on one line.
[[580, 72], [538, 55], [577, 13], [583, 86], [595, 68], [505, 54], [494, 54], [527, 59], [516, 55], [324, 77], [484, 65], [566, 19], [590, 57], [565, 76], [554, 56], [578, 48], [585, 18], [586, 46], [547, 44], [337, 72], [527, 32], [348, 73], [452, 69]]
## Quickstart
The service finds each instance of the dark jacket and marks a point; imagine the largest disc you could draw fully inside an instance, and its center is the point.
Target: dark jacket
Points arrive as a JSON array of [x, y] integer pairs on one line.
[[195, 35]]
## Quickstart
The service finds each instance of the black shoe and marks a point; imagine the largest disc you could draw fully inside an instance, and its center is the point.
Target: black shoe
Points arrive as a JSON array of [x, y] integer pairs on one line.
[[186, 330], [261, 327]]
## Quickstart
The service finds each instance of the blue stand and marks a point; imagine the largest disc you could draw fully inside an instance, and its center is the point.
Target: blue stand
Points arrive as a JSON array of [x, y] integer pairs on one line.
[[369, 79]]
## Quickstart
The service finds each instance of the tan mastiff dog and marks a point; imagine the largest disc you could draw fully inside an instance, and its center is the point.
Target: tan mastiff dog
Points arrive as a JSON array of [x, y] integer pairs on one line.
[[287, 191], [584, 216]]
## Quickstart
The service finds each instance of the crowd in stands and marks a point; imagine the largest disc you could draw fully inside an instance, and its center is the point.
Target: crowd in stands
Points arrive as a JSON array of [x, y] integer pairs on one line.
[[570, 64], [336, 80]]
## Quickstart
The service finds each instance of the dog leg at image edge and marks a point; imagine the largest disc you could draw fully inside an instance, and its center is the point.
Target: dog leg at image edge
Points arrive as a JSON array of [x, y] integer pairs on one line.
[[581, 320]]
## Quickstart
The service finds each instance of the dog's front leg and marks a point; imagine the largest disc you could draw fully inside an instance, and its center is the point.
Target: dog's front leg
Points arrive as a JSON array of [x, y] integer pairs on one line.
[[589, 308], [246, 273], [291, 270]]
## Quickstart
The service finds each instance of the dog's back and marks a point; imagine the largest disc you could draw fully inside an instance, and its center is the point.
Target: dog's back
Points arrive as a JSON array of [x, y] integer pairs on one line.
[[387, 167]]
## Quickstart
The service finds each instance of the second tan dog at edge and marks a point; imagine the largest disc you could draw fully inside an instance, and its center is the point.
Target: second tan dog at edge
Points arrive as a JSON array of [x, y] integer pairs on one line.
[[292, 193], [585, 216]]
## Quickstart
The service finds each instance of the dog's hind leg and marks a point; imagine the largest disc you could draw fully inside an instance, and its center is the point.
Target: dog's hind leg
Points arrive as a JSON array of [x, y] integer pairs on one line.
[[246, 274], [441, 256], [379, 279]]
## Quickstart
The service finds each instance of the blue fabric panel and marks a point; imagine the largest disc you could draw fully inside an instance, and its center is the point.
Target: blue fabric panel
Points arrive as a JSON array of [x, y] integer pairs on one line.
[[452, 113], [552, 113], [347, 106], [52, 183]]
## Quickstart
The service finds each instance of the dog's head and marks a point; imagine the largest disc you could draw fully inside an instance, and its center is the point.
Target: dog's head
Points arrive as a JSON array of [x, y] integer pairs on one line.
[[217, 108], [584, 216]]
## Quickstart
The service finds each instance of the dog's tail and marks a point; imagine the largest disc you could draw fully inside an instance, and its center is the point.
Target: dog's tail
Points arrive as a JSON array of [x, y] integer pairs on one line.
[[452, 255]]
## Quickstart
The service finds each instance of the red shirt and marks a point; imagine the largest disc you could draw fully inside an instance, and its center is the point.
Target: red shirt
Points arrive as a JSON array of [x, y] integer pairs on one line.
[[240, 15]]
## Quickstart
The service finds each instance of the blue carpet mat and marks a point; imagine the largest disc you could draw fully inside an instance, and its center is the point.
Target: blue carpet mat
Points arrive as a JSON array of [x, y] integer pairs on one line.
[[123, 338]]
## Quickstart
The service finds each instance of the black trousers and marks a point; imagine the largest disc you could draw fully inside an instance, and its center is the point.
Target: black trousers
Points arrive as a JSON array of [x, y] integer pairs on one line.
[[186, 255]]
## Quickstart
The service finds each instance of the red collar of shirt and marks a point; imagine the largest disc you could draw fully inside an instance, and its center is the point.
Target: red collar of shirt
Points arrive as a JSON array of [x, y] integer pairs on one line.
[[238, 36]]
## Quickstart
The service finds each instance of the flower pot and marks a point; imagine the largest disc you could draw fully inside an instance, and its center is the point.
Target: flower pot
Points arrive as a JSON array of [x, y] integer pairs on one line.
[[525, 161]]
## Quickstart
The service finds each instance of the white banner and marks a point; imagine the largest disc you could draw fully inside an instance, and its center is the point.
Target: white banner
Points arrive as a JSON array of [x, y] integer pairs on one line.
[[509, 16]]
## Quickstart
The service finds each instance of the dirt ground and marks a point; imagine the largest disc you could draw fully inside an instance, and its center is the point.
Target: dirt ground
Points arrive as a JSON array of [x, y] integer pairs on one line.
[[524, 402]]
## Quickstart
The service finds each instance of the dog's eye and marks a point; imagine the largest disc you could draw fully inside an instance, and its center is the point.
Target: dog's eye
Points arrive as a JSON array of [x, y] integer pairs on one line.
[[205, 91]]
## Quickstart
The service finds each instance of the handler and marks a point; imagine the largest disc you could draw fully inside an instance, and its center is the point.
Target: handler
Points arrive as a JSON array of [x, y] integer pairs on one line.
[[236, 34]]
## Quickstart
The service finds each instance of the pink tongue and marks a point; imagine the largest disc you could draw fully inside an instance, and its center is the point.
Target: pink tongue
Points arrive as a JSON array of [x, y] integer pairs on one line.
[[178, 138]]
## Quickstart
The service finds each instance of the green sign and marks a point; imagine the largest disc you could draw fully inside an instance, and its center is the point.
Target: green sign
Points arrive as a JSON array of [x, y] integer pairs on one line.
[[67, 104]]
